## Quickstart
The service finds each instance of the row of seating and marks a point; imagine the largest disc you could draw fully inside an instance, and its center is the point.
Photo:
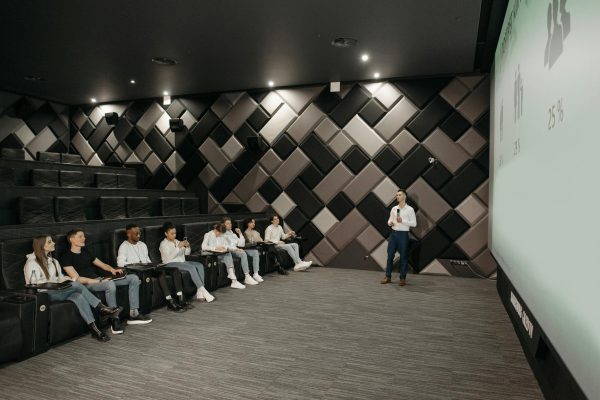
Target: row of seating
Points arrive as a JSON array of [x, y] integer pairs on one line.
[[44, 156], [47, 209], [71, 179]]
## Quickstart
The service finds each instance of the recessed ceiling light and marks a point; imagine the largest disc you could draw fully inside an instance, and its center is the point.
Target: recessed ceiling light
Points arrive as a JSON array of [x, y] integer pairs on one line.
[[271, 83], [168, 61], [364, 57], [132, 81], [376, 75], [165, 93], [93, 99], [344, 42]]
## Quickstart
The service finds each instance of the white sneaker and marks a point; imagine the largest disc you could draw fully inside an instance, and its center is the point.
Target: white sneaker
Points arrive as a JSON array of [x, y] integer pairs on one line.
[[206, 295], [307, 263], [257, 278], [236, 285], [232, 277], [249, 281], [300, 266]]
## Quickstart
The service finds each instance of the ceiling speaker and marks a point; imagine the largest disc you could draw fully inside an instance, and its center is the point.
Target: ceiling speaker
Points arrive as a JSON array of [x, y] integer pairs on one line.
[[112, 118], [176, 124]]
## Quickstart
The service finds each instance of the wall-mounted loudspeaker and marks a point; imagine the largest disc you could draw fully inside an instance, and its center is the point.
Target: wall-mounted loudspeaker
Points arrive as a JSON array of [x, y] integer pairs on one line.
[[112, 118], [253, 143], [176, 124]]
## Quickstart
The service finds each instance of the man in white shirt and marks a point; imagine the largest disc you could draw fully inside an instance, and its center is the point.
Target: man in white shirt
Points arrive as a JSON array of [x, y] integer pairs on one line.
[[237, 239], [134, 251], [274, 234], [402, 218], [215, 241]]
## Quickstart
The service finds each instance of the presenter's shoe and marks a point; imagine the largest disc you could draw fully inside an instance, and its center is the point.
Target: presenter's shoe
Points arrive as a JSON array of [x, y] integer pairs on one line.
[[402, 282], [385, 280]]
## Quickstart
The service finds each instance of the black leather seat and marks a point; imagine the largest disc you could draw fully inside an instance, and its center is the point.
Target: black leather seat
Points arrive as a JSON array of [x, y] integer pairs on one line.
[[7, 176], [190, 206], [11, 336], [12, 154], [36, 210], [69, 209], [105, 180], [44, 178], [170, 206], [215, 275], [112, 207], [127, 181], [47, 156], [138, 207], [71, 178], [70, 158]]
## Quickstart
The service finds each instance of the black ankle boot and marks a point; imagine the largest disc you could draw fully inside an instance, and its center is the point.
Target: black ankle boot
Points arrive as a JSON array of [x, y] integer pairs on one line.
[[184, 303], [282, 271], [97, 333], [108, 312], [171, 305]]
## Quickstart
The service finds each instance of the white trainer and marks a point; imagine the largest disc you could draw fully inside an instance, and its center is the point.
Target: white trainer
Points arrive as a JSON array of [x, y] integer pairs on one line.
[[257, 278], [307, 263], [300, 266], [249, 281], [237, 285], [207, 296]]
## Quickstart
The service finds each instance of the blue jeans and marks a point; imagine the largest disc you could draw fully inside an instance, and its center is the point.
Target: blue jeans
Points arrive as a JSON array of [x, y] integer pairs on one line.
[[397, 242], [78, 295], [241, 254], [110, 290], [195, 269], [292, 249], [255, 259]]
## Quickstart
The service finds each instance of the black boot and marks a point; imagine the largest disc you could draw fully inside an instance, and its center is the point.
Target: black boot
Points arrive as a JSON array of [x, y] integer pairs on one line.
[[282, 271], [108, 312], [97, 333], [172, 306], [184, 303]]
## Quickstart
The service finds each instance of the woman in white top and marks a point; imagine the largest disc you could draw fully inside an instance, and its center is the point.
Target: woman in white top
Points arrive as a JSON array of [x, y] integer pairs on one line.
[[274, 234], [173, 252], [41, 267], [215, 241]]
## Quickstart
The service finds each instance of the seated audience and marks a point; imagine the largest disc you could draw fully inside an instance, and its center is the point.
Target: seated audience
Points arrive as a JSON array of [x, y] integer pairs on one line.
[[173, 253], [253, 236], [79, 264], [41, 267], [215, 241], [237, 239], [274, 234]]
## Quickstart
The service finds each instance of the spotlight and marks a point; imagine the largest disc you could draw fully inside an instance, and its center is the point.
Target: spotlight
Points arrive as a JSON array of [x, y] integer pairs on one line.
[[376, 75], [165, 93], [132, 81], [271, 83], [93, 99], [364, 57]]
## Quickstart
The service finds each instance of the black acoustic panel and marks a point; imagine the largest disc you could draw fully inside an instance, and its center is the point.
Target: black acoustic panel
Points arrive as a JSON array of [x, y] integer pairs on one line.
[[71, 178], [186, 147], [138, 207], [246, 161], [70, 158], [161, 178], [220, 134], [202, 129], [306, 200], [58, 147], [296, 220], [176, 109], [44, 178], [311, 176], [104, 152], [87, 109], [23, 108], [114, 160], [258, 119], [112, 207], [428, 249], [375, 212], [284, 146], [159, 144], [107, 180], [429, 118], [372, 112], [453, 225], [7, 177], [411, 168], [349, 106], [319, 154], [87, 129], [136, 110], [355, 159], [11, 142], [453, 252], [455, 125], [258, 95], [101, 132], [437, 175], [311, 236], [244, 132], [270, 190], [340, 206], [127, 181], [36, 210], [387, 159], [59, 128], [41, 118], [420, 91], [68, 209], [197, 105], [226, 182], [483, 159], [327, 101], [133, 138], [193, 165], [483, 125], [235, 208], [48, 156], [463, 184], [190, 206]]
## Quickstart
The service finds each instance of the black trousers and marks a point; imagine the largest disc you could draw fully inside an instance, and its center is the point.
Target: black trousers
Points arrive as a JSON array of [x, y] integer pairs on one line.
[[161, 275]]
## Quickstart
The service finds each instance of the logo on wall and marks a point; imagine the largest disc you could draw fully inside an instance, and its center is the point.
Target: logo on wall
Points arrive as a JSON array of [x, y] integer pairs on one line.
[[518, 94], [559, 26]]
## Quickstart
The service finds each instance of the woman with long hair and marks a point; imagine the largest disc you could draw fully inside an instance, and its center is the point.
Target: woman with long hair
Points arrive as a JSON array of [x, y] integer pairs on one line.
[[41, 267]]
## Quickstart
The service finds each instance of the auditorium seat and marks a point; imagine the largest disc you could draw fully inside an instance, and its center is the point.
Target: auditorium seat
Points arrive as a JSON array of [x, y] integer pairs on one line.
[[11, 336], [170, 206], [71, 179], [12, 154], [190, 206], [36, 210], [106, 180], [7, 176], [70, 158], [47, 156], [127, 181], [216, 275], [44, 178], [12, 261], [69, 209], [112, 207], [138, 207]]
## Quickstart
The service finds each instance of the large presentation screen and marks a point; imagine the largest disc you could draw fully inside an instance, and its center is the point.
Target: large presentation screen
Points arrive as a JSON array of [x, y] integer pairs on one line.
[[545, 183]]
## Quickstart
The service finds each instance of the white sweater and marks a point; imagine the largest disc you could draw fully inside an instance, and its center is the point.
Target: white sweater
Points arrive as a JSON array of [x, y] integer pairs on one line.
[[169, 252], [211, 242], [34, 274], [274, 233], [132, 253]]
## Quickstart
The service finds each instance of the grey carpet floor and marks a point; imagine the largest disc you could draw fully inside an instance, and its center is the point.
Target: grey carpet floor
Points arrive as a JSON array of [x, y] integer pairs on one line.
[[322, 334]]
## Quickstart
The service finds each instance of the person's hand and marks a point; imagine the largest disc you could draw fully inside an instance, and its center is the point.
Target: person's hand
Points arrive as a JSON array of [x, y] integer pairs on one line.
[[181, 244], [390, 224], [220, 248], [114, 271], [238, 231], [399, 219], [186, 243], [292, 233], [281, 242]]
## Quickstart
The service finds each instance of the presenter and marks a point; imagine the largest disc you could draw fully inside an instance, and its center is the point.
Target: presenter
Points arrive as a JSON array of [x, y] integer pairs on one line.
[[402, 218]]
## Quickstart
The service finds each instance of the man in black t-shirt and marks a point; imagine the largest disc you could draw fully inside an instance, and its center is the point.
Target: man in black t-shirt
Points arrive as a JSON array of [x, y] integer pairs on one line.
[[79, 264]]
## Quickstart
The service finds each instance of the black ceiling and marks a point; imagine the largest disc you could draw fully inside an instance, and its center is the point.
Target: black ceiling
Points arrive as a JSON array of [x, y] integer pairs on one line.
[[84, 49]]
